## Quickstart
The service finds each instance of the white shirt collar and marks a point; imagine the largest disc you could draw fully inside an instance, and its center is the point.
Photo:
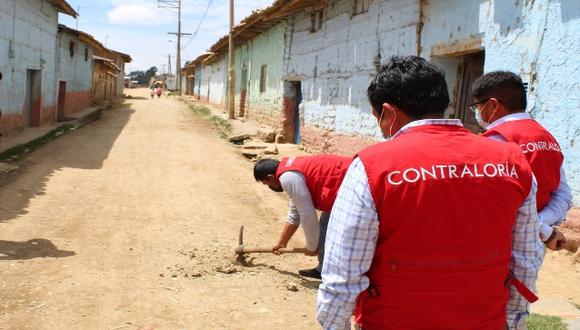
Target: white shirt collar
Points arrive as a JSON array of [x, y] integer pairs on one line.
[[510, 117], [424, 122]]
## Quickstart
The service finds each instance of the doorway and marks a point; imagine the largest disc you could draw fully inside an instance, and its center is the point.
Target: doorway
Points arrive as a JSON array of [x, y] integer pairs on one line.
[[244, 91], [292, 100], [60, 112], [298, 100], [472, 69], [33, 99]]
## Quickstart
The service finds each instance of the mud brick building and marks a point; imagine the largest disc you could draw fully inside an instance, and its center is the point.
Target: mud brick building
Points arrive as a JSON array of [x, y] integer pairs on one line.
[[305, 66], [49, 71], [75, 70], [28, 64]]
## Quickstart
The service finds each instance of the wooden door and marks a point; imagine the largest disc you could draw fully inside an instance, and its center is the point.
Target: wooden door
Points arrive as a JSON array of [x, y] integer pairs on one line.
[[472, 69]]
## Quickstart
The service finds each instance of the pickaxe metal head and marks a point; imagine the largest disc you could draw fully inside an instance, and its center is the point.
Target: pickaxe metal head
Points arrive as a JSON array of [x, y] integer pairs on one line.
[[240, 249]]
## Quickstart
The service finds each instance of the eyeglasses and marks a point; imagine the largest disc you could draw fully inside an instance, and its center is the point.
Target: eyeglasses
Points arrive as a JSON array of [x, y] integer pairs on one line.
[[473, 106]]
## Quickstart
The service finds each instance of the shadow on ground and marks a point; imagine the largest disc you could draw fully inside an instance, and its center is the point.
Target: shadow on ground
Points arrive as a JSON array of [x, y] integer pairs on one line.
[[91, 143], [306, 283], [33, 248]]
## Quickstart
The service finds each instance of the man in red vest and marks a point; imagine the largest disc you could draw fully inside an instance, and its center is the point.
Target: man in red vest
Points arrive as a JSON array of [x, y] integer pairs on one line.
[[500, 104], [312, 184], [431, 227]]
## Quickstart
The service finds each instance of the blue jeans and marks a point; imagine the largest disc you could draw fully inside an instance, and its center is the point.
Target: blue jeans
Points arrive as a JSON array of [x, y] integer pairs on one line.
[[324, 218]]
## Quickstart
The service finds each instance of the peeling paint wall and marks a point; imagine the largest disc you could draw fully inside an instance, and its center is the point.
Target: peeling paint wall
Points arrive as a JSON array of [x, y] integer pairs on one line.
[[76, 71], [214, 82], [337, 63], [28, 40], [535, 39], [267, 49]]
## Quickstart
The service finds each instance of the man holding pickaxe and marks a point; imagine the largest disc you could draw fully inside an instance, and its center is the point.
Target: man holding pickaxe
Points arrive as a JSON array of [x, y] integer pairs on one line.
[[312, 184]]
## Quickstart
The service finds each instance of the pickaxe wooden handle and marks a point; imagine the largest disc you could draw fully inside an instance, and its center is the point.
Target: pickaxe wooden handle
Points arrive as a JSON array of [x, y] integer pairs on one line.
[[247, 250], [241, 249]]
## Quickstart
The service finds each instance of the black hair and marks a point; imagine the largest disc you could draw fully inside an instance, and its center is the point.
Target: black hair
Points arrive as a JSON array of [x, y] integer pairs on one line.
[[265, 167], [411, 84], [505, 86]]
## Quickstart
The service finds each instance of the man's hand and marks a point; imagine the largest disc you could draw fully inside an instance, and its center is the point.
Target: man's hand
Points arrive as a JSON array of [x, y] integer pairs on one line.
[[556, 241], [277, 247], [311, 253]]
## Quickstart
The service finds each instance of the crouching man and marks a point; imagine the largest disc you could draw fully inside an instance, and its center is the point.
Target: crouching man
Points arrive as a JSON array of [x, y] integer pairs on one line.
[[312, 183]]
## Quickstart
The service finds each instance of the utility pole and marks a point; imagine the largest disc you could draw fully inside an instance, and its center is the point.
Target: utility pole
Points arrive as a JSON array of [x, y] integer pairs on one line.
[[231, 68], [175, 6], [169, 56], [79, 14]]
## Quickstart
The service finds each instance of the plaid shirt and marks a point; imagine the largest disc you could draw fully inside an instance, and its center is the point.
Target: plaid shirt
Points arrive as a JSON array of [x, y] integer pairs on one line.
[[352, 237]]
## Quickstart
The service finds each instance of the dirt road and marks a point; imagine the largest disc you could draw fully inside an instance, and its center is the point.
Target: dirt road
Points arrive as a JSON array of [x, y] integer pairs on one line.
[[130, 223]]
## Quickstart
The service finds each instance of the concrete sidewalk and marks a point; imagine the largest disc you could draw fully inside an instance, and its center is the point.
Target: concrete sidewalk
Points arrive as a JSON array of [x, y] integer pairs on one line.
[[29, 134]]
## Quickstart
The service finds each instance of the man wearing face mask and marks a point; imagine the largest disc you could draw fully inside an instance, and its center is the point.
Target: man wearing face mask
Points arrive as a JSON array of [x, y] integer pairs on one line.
[[500, 104], [312, 183], [432, 228]]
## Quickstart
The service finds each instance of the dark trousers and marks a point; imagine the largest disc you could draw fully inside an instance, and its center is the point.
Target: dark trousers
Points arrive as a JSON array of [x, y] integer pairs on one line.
[[324, 218]]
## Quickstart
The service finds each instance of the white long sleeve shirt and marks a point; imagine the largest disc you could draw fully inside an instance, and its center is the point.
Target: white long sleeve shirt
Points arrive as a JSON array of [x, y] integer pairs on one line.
[[301, 210], [351, 241], [560, 200]]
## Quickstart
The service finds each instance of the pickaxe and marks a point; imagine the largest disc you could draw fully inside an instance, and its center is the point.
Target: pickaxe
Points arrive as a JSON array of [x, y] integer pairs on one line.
[[241, 250]]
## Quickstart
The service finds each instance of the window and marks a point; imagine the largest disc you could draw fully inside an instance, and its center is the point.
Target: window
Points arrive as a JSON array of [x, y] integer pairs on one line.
[[361, 6], [71, 48], [316, 19], [263, 78]]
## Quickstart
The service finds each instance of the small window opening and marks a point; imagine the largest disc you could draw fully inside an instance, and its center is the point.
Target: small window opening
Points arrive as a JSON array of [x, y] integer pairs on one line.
[[71, 48], [263, 78], [361, 6], [316, 19]]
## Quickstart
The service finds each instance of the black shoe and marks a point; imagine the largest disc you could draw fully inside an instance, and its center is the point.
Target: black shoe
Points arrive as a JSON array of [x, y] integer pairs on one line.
[[313, 273]]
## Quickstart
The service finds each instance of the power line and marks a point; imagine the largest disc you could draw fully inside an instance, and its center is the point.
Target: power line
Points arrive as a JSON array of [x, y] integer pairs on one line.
[[209, 3]]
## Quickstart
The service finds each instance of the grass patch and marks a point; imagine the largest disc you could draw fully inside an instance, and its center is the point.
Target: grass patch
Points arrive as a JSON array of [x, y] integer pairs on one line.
[[204, 112], [543, 322], [577, 305], [21, 149]]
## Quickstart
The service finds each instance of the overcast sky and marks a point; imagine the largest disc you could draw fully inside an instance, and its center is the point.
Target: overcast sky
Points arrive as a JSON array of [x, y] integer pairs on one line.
[[139, 27]]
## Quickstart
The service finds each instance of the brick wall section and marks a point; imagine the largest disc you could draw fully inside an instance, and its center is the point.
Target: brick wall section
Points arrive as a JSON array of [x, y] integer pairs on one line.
[[317, 141], [76, 101], [11, 124], [48, 115]]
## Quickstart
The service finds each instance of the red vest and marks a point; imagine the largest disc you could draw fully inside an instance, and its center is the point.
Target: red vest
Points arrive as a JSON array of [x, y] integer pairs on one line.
[[323, 175], [447, 201], [541, 150]]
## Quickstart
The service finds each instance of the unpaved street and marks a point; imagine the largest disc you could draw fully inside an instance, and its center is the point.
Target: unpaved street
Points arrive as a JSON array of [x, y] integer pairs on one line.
[[130, 223]]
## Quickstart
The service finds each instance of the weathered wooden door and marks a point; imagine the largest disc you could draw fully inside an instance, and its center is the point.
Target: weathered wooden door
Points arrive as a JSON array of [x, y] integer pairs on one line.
[[472, 69], [60, 112], [33, 101]]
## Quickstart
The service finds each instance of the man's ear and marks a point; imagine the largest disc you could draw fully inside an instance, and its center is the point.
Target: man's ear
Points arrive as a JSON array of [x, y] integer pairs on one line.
[[389, 109], [495, 104]]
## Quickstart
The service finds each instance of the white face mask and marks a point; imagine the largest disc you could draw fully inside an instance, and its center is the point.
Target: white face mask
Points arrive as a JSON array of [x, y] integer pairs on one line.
[[480, 120], [484, 124]]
